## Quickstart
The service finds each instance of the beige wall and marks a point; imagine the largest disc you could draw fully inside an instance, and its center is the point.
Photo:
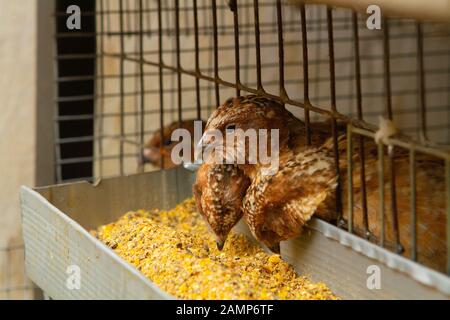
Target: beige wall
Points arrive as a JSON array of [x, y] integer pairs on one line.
[[18, 99], [18, 126]]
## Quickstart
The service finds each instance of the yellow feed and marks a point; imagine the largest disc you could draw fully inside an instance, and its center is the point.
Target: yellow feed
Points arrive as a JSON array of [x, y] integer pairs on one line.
[[176, 250]]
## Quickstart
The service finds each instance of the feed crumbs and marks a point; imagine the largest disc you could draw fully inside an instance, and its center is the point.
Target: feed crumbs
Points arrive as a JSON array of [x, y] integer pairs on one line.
[[176, 250]]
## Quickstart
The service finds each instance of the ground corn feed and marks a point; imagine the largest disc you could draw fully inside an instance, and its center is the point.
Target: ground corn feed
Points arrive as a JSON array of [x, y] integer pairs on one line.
[[176, 250]]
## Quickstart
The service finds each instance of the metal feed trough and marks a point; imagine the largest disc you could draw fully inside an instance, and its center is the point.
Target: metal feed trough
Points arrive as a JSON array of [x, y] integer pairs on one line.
[[57, 220]]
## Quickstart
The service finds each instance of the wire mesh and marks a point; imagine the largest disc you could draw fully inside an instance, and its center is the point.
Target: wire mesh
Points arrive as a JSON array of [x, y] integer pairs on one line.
[[163, 61]]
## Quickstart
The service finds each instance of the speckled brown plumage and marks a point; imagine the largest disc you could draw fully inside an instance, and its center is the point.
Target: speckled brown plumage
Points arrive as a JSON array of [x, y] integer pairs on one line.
[[277, 206], [256, 112], [218, 192], [431, 221]]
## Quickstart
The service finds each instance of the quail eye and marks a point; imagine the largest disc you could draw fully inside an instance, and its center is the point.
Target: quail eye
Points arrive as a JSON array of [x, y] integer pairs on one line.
[[230, 127], [167, 142]]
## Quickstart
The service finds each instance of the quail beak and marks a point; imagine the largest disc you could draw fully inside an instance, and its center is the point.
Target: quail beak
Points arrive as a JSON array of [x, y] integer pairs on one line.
[[220, 244], [149, 155], [275, 248], [143, 159]]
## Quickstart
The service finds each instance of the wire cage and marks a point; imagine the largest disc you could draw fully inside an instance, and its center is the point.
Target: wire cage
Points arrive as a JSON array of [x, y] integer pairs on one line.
[[156, 62]]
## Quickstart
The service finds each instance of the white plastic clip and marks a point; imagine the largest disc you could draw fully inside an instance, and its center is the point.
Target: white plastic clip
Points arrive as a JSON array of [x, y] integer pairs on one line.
[[386, 130]]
